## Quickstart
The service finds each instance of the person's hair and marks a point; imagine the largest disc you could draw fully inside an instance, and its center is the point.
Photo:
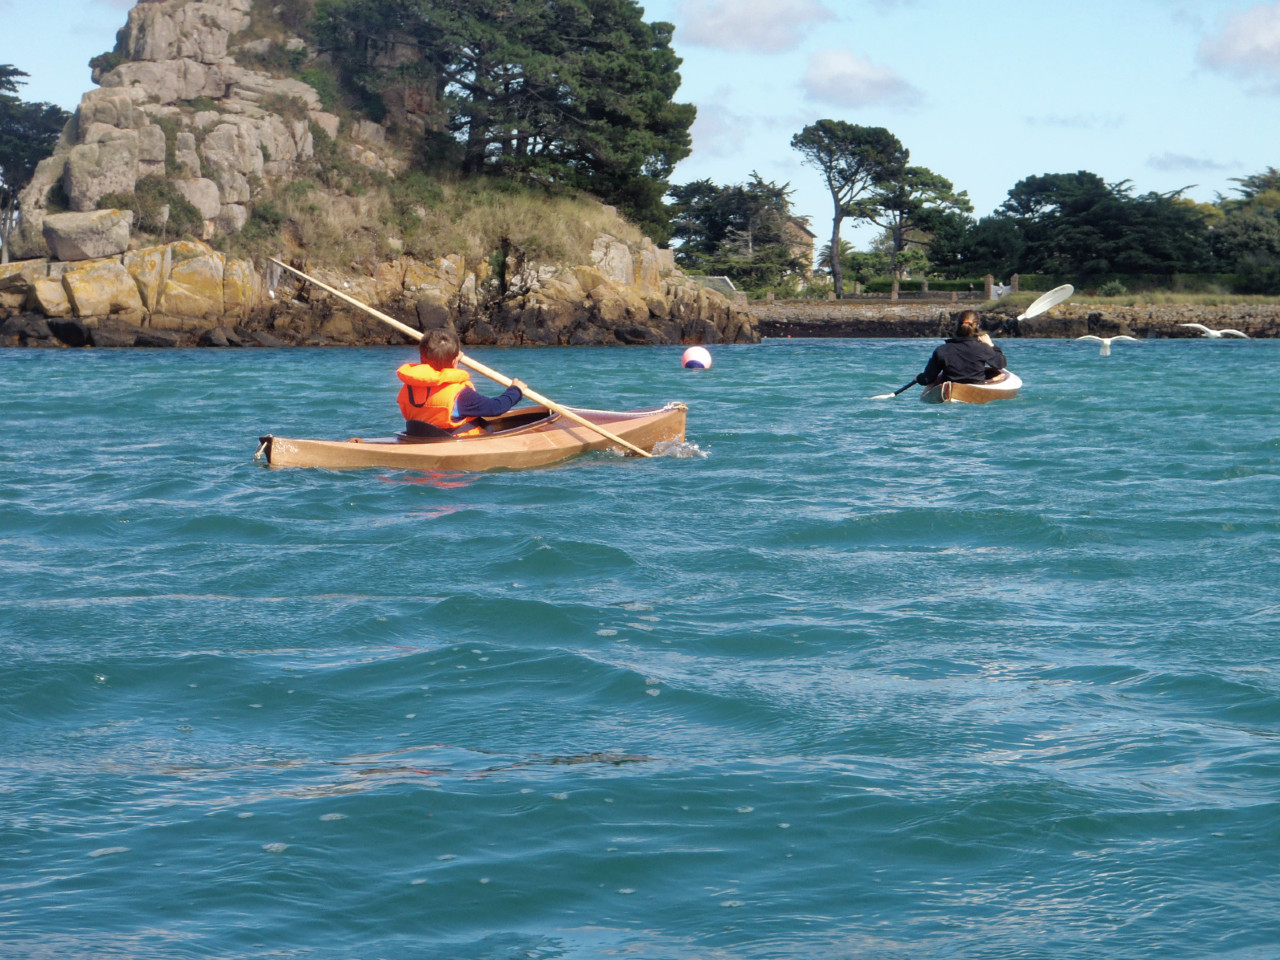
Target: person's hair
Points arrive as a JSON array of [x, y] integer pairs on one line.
[[968, 324], [439, 347]]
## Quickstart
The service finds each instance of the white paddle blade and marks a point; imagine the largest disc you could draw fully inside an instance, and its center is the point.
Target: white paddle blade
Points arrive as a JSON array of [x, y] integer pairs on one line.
[[884, 396], [1047, 300]]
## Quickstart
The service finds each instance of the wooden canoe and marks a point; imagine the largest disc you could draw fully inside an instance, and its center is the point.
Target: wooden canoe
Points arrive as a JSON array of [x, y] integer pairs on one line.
[[527, 437], [998, 388]]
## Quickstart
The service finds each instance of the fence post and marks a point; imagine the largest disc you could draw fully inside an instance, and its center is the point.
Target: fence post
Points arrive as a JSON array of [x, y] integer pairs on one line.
[[893, 294], [988, 285], [857, 288], [1014, 281], [924, 285], [953, 296]]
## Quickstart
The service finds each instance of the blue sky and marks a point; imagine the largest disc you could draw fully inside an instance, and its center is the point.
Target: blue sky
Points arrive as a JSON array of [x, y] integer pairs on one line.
[[1164, 93]]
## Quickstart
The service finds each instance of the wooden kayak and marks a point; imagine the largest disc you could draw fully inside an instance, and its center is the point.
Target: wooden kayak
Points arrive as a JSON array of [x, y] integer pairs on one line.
[[998, 388], [527, 437]]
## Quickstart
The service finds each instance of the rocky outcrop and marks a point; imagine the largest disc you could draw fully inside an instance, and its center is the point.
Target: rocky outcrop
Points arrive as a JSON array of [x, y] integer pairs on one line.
[[190, 291], [179, 107]]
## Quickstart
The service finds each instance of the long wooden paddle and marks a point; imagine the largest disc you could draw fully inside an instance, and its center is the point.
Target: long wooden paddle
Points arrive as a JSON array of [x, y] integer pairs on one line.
[[1038, 306], [479, 368]]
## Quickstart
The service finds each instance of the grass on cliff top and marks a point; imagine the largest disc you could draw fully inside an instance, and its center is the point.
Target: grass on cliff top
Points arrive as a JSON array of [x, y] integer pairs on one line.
[[427, 218]]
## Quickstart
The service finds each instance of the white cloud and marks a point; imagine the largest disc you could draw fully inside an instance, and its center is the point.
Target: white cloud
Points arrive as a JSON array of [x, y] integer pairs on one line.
[[718, 132], [1176, 162], [1248, 46], [1077, 121], [845, 78], [758, 26]]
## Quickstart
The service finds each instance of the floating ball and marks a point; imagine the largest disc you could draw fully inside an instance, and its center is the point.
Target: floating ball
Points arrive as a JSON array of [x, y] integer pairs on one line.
[[696, 358]]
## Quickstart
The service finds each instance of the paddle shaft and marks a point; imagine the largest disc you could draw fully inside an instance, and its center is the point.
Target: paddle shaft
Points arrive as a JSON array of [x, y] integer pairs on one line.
[[479, 368]]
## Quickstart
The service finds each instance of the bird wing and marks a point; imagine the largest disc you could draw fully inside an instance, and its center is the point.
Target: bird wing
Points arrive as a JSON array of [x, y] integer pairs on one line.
[[1090, 336], [1234, 333], [1125, 337], [1196, 326]]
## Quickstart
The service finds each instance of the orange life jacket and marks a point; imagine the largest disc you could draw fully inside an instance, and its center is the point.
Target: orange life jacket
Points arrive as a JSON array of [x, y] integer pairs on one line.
[[429, 395]]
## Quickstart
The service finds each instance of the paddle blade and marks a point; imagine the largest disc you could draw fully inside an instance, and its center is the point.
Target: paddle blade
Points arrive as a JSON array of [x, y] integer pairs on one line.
[[1047, 300]]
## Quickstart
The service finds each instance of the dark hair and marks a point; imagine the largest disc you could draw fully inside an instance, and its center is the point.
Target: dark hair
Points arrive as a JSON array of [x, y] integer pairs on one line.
[[439, 347], [968, 324]]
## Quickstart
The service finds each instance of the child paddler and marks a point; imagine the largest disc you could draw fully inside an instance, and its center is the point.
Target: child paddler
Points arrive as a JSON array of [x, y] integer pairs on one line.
[[437, 398]]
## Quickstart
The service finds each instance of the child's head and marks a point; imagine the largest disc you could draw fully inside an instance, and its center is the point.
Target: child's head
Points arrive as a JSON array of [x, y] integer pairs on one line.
[[968, 324], [440, 348]]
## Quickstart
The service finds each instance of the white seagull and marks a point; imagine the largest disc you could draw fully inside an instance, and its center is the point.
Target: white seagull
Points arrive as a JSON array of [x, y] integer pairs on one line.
[[1215, 334], [1106, 342]]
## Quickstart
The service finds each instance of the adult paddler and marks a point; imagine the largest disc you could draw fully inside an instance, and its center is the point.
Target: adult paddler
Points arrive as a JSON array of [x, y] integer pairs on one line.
[[437, 398], [967, 357]]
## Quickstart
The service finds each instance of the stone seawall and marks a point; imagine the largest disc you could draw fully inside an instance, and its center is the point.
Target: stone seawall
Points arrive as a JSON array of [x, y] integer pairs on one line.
[[825, 318]]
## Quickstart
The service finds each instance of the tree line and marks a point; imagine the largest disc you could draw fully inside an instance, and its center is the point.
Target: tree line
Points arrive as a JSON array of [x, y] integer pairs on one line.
[[1068, 226]]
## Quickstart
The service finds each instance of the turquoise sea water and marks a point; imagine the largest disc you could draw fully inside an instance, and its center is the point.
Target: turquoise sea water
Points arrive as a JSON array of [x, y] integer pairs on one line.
[[865, 679]]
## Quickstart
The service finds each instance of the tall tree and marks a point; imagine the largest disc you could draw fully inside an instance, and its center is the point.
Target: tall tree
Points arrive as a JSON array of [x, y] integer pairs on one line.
[[738, 231], [852, 160], [907, 205], [570, 92], [28, 133]]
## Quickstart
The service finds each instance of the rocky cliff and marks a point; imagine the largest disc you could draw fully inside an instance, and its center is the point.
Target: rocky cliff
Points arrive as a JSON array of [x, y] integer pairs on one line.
[[185, 135]]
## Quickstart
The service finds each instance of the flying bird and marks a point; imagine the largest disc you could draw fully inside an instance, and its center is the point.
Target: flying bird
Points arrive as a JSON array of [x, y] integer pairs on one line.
[[1106, 342], [1215, 334]]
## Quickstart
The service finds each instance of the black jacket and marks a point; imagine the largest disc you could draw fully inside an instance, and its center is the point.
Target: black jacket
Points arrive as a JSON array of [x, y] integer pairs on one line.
[[963, 359]]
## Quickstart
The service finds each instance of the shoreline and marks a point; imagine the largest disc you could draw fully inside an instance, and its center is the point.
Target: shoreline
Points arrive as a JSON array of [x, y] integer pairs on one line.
[[798, 319]]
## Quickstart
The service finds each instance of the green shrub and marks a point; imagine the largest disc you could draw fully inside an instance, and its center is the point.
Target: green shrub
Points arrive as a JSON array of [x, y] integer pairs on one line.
[[1112, 288], [106, 62], [150, 196], [325, 85], [291, 108]]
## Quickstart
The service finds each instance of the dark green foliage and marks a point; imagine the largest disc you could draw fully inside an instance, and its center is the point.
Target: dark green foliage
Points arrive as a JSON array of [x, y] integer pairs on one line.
[[738, 231], [325, 83], [1077, 226], [1246, 241], [28, 133], [573, 94], [106, 62], [911, 203]]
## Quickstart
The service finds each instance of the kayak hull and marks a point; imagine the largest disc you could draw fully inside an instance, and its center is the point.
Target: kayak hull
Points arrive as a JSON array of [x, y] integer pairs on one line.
[[1002, 387], [528, 437]]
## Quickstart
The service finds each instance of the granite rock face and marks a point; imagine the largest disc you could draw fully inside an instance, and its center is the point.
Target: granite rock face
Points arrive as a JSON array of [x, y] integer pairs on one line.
[[188, 289], [180, 107], [86, 236]]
